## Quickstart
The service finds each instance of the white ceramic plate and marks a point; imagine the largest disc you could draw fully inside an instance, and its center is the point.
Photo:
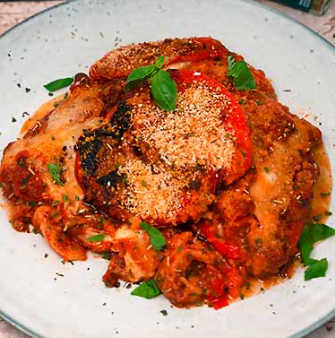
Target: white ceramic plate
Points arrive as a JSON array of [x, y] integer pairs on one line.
[[69, 38]]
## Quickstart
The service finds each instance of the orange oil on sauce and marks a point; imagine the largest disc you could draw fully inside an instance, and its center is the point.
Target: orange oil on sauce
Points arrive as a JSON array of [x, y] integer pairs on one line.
[[319, 206], [41, 112], [323, 186]]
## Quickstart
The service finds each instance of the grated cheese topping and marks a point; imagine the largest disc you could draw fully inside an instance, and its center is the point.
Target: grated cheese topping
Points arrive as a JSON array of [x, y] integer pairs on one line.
[[194, 134], [151, 190]]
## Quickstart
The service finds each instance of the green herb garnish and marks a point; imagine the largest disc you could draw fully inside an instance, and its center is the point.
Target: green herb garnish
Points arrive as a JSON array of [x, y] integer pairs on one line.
[[159, 62], [96, 238], [54, 214], [58, 84], [147, 290], [55, 171], [106, 255], [156, 237], [311, 234], [266, 169], [163, 88], [316, 269], [240, 71], [54, 203], [137, 76], [316, 218], [325, 194]]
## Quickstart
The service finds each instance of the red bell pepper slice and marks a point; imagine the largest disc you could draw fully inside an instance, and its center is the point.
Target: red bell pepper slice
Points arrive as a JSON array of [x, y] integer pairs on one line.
[[225, 248], [211, 49], [235, 122]]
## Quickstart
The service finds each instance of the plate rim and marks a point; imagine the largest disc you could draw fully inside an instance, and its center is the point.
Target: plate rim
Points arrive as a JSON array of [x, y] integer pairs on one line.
[[300, 334]]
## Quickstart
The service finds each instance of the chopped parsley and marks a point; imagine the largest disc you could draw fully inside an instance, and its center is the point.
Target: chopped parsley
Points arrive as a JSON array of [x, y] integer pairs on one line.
[[316, 218], [258, 241], [96, 238], [55, 171], [54, 214], [54, 203], [325, 194], [106, 255]]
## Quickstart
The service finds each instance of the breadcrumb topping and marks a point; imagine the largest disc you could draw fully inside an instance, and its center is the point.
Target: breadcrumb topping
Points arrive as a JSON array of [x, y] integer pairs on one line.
[[151, 190], [194, 134], [192, 137]]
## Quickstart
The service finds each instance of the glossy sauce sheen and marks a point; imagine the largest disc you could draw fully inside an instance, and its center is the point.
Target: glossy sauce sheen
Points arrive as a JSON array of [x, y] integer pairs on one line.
[[239, 222], [319, 206]]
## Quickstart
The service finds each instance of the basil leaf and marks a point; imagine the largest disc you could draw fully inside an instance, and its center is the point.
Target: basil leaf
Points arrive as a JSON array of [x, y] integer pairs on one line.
[[320, 232], [138, 75], [147, 290], [164, 90], [96, 238], [317, 269], [156, 237], [159, 62], [55, 171], [58, 84], [306, 249], [311, 234], [231, 62], [241, 73], [305, 244]]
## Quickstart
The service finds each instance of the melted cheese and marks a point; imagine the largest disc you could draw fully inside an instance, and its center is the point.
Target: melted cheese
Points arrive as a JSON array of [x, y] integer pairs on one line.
[[59, 132]]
